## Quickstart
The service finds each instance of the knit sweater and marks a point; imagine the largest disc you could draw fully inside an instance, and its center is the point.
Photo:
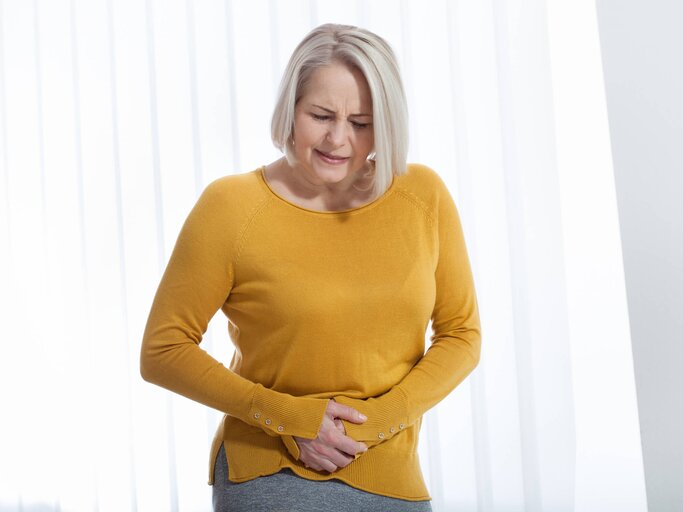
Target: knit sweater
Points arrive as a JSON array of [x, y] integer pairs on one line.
[[320, 305]]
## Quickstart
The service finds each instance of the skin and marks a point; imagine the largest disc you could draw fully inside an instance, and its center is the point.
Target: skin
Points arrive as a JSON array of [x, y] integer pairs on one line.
[[332, 449], [326, 120]]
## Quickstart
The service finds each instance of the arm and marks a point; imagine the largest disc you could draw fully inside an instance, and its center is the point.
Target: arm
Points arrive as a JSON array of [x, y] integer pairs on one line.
[[195, 284], [456, 340]]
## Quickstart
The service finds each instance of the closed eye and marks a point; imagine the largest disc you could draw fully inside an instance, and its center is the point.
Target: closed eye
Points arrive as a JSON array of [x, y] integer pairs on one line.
[[355, 124]]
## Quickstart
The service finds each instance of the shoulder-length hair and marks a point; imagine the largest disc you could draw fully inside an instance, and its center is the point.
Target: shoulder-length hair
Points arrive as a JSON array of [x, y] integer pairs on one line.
[[372, 55]]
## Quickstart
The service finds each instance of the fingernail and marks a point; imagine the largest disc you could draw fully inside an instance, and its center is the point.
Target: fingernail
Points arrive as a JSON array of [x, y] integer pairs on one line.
[[363, 417]]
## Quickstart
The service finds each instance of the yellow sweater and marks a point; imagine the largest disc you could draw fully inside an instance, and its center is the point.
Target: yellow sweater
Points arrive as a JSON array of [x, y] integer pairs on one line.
[[320, 305]]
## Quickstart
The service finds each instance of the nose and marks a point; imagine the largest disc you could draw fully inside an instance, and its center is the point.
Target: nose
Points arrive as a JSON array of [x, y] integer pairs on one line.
[[336, 133]]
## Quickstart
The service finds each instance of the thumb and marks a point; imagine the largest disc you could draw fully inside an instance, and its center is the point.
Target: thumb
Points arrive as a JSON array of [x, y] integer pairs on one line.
[[345, 412]]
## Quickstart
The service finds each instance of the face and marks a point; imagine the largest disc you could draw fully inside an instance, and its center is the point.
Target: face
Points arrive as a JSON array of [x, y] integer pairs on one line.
[[333, 133]]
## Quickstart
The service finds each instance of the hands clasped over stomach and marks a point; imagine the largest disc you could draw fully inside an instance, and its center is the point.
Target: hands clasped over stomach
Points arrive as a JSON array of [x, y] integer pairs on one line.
[[332, 449]]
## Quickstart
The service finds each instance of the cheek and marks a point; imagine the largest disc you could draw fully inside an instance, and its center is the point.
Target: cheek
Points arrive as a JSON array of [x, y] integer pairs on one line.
[[367, 142], [306, 134]]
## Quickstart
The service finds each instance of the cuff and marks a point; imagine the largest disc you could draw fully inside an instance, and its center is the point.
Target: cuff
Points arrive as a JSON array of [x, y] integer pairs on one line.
[[387, 416], [280, 414], [291, 446]]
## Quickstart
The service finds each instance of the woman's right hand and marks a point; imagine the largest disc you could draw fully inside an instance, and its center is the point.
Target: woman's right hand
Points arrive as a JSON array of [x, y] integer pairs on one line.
[[332, 449]]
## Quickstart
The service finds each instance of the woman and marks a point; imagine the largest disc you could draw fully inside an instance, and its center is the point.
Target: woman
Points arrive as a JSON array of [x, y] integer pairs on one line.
[[329, 264]]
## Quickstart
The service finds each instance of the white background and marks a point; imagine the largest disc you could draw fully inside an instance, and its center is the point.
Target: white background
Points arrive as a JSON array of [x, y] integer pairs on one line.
[[115, 114]]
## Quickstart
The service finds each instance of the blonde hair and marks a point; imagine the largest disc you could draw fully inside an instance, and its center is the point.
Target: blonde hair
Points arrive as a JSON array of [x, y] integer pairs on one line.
[[374, 58]]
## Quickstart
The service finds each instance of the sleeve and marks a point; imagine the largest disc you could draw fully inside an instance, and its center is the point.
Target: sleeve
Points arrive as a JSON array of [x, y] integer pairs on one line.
[[455, 342], [196, 283]]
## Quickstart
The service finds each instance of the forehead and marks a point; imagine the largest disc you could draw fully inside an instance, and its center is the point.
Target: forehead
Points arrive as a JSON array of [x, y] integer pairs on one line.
[[338, 85]]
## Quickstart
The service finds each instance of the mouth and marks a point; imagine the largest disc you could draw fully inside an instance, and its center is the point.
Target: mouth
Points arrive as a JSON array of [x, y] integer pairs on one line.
[[331, 159]]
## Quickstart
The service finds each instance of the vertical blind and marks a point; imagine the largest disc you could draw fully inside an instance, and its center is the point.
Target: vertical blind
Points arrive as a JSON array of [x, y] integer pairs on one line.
[[115, 114]]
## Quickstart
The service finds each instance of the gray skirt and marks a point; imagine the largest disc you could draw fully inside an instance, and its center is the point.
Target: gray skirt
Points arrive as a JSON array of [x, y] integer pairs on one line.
[[287, 492]]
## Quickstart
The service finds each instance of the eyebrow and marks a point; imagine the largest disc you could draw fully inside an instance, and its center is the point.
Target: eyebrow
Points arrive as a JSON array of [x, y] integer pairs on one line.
[[333, 112]]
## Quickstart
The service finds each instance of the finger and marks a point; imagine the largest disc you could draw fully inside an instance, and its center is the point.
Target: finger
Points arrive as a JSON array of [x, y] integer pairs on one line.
[[314, 466], [351, 447], [330, 437], [321, 462], [340, 425], [333, 459], [343, 460], [329, 466], [329, 451], [311, 459], [345, 412], [335, 452]]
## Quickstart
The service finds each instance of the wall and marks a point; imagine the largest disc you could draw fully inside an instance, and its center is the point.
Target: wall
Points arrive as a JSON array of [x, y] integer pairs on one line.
[[641, 49]]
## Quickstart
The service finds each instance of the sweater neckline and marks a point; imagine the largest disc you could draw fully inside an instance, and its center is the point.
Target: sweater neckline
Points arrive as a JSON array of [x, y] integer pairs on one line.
[[364, 207]]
